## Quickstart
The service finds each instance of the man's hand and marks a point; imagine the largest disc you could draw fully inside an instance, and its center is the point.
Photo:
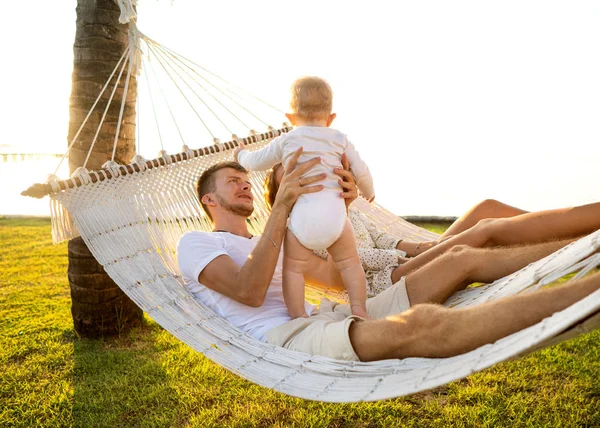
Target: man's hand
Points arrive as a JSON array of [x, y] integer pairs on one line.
[[293, 184], [347, 182]]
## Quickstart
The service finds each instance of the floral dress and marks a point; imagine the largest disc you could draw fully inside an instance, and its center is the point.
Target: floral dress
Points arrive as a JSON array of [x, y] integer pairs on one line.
[[377, 252]]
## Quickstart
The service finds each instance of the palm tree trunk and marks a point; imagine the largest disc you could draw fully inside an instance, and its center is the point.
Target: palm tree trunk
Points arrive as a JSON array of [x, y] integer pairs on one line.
[[99, 307]]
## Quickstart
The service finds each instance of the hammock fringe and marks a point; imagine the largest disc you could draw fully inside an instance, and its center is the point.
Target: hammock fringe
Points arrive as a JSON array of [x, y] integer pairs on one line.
[[131, 223]]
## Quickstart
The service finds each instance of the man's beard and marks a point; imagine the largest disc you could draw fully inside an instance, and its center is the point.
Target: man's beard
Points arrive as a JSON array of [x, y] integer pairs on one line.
[[240, 210]]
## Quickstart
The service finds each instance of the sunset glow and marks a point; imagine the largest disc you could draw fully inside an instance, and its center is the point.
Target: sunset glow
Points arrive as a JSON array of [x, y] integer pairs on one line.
[[449, 103]]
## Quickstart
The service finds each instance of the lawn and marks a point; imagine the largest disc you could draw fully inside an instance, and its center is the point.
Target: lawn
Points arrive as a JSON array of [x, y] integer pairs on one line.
[[50, 377]]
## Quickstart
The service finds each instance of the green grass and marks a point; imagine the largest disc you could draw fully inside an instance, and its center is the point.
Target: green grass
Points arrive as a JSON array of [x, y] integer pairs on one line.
[[49, 377]]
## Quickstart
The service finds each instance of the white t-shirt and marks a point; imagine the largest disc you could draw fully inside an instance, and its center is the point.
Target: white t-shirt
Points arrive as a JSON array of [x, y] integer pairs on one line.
[[197, 249]]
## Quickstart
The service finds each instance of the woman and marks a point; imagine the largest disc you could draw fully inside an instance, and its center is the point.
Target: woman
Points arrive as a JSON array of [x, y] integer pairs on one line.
[[489, 223]]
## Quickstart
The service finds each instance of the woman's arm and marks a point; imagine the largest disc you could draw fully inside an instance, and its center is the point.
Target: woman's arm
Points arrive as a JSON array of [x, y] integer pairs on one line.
[[381, 238]]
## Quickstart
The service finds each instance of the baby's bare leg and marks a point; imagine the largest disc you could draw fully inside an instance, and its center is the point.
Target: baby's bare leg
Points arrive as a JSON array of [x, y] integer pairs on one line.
[[346, 260], [295, 262]]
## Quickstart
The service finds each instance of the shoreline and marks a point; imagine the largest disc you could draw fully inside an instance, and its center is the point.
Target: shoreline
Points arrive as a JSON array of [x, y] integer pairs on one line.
[[410, 218], [25, 216]]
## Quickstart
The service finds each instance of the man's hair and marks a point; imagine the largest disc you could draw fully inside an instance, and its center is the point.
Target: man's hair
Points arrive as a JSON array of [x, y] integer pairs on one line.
[[206, 182], [311, 98]]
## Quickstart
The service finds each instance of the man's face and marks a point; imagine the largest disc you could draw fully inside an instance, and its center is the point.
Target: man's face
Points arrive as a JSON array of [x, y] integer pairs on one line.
[[233, 192]]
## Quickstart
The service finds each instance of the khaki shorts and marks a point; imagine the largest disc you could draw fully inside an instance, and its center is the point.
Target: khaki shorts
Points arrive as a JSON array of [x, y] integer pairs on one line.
[[325, 332]]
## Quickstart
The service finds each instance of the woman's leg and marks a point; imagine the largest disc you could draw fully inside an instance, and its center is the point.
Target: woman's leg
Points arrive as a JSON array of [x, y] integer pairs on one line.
[[532, 227], [488, 208], [540, 226]]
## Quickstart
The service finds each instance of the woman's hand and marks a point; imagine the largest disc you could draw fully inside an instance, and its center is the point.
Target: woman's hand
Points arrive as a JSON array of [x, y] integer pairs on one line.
[[293, 184], [241, 146], [347, 182]]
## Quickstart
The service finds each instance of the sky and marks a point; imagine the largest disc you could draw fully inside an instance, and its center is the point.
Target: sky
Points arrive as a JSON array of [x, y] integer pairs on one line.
[[448, 103]]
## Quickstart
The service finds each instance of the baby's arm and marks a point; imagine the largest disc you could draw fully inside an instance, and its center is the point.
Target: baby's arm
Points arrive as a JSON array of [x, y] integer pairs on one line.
[[361, 172], [262, 159]]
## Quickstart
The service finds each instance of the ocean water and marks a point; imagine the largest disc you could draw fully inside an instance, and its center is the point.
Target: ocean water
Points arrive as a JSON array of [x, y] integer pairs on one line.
[[533, 184], [17, 173]]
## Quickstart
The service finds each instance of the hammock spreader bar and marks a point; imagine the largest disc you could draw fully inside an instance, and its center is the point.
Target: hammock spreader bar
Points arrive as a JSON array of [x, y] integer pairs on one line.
[[39, 190]]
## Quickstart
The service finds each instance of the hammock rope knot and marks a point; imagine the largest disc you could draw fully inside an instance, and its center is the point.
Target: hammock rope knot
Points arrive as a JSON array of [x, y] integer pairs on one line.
[[112, 167], [189, 152], [165, 157], [82, 174], [140, 161]]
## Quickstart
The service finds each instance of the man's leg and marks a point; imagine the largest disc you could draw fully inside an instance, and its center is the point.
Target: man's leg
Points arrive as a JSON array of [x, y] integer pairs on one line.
[[439, 279], [432, 331]]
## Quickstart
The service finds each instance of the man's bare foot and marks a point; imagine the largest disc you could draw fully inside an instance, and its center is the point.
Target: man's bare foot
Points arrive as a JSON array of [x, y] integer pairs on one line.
[[359, 311], [304, 315]]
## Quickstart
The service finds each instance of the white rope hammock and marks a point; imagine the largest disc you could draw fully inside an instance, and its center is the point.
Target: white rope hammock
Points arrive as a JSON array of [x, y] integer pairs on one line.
[[131, 217]]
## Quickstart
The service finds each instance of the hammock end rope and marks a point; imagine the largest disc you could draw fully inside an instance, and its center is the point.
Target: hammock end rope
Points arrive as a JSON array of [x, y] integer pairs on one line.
[[38, 190], [82, 176]]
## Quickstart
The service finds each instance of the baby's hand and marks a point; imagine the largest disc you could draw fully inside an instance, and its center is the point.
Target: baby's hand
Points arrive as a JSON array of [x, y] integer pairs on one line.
[[238, 149]]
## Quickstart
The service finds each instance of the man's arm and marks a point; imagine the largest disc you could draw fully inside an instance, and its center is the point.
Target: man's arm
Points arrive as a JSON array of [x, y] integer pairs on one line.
[[248, 284]]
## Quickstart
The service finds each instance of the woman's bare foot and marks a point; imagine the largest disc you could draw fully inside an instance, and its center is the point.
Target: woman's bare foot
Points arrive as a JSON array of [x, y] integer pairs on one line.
[[445, 238], [413, 249]]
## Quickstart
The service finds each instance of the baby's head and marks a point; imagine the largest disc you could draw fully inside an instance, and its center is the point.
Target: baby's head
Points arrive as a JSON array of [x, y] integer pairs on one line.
[[311, 102]]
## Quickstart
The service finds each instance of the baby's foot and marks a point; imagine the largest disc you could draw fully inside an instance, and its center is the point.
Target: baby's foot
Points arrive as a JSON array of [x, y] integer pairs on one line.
[[360, 311], [304, 315]]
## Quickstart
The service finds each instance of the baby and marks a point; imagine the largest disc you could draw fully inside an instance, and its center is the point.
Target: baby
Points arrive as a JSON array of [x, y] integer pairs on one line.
[[318, 220]]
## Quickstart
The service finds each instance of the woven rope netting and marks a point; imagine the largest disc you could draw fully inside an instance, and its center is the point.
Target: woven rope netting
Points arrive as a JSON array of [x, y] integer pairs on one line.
[[131, 217], [132, 223]]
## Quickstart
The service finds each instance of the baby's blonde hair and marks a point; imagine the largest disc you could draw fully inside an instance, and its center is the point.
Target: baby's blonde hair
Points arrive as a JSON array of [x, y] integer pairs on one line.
[[311, 98]]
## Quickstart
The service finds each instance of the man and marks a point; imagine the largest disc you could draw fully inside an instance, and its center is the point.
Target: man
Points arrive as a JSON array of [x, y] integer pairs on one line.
[[239, 276]]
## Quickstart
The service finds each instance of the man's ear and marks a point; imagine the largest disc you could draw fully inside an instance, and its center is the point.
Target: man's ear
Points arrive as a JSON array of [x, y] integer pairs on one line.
[[330, 119], [208, 200], [291, 117]]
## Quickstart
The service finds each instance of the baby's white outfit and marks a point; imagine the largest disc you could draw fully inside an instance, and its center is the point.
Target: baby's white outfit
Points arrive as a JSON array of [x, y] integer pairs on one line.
[[317, 219]]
